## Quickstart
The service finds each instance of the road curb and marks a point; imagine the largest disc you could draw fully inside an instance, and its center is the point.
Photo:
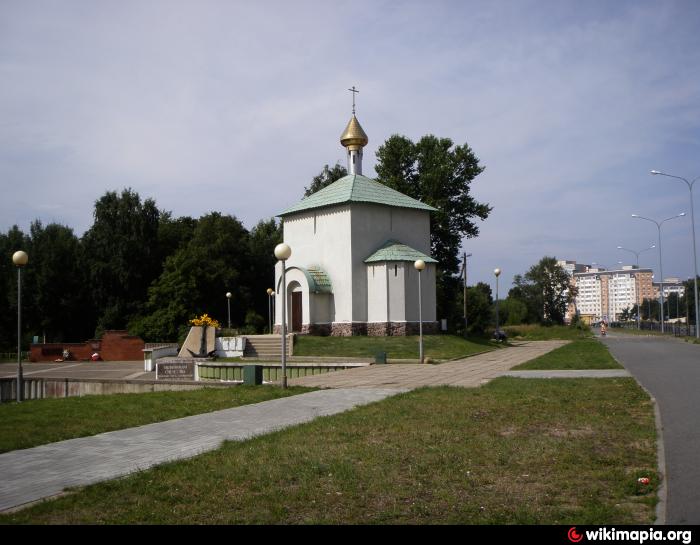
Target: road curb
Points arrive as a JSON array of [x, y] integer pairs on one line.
[[662, 491]]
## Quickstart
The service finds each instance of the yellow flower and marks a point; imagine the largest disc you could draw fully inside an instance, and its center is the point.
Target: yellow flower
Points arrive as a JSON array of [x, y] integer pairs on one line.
[[205, 320]]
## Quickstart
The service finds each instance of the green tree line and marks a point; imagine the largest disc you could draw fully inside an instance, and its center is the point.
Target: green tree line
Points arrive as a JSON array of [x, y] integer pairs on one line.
[[141, 269], [136, 268]]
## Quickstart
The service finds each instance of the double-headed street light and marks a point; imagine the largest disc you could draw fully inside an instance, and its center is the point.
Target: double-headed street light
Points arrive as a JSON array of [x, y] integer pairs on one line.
[[692, 229], [638, 289], [420, 265], [20, 259], [661, 268], [283, 252]]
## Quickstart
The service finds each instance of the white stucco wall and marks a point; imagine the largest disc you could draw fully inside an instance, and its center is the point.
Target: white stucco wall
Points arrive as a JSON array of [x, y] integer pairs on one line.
[[339, 239], [427, 291], [372, 226], [321, 237], [378, 295], [396, 273]]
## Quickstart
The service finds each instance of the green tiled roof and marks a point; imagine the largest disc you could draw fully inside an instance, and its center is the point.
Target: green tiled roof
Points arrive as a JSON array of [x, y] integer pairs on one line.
[[316, 277], [321, 280], [392, 250], [356, 188]]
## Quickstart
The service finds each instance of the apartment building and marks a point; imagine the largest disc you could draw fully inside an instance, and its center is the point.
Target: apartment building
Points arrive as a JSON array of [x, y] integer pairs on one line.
[[605, 294]]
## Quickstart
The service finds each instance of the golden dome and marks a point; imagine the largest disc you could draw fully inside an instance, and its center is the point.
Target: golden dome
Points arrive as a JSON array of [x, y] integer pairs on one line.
[[354, 137]]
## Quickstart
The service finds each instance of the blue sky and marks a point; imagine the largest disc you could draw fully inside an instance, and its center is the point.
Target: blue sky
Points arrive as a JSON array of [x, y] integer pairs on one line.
[[235, 106]]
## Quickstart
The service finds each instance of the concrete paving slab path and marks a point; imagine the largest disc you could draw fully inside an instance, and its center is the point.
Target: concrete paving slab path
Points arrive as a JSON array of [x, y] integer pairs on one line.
[[32, 474], [468, 372]]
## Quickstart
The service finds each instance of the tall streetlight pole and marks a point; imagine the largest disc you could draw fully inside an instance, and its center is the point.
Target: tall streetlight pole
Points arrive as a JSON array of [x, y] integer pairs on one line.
[[228, 300], [420, 265], [20, 259], [692, 228], [649, 311], [497, 272], [270, 291], [283, 253], [466, 255], [638, 283], [661, 268]]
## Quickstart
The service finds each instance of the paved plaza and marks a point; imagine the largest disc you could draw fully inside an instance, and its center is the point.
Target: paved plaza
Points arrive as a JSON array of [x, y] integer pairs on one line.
[[468, 372]]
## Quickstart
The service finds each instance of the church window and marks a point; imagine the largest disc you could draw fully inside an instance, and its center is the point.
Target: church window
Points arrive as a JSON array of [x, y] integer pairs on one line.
[[396, 270]]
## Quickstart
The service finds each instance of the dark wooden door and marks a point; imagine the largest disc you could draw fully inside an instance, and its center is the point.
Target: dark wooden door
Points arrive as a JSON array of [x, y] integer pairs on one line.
[[296, 311]]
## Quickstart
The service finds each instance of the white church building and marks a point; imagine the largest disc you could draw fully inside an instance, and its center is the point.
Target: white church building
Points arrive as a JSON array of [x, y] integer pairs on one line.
[[354, 244]]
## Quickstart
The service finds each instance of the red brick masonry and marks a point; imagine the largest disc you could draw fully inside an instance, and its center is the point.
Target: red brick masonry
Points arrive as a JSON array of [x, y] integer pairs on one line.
[[113, 346]]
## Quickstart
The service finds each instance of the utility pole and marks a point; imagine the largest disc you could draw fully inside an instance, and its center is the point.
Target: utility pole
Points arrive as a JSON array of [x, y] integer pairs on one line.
[[464, 270]]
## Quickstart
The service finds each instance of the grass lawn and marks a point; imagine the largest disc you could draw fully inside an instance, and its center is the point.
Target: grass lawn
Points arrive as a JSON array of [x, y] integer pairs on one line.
[[436, 347], [579, 354], [40, 421], [515, 451], [545, 333]]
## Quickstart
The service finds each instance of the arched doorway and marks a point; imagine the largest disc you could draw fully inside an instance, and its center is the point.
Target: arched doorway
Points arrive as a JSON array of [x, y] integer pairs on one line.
[[296, 310]]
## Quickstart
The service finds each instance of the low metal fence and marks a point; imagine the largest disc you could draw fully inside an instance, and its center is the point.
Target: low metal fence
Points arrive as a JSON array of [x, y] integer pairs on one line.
[[675, 329]]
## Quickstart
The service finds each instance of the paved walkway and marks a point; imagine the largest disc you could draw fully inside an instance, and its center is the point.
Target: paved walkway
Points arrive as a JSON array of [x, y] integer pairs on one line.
[[32, 474], [467, 372]]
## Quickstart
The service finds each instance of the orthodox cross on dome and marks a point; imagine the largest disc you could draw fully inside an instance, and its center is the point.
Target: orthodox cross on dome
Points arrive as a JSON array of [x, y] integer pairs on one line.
[[353, 91]]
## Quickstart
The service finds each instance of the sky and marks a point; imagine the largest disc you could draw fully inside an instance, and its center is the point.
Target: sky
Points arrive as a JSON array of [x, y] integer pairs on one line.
[[234, 106]]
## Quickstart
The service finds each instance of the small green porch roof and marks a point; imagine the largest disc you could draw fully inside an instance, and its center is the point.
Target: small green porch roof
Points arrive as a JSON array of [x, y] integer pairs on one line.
[[393, 250], [356, 188]]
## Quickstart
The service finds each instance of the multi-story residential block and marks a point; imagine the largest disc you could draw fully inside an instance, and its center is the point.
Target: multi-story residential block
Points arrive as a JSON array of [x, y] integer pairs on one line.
[[604, 294], [671, 285]]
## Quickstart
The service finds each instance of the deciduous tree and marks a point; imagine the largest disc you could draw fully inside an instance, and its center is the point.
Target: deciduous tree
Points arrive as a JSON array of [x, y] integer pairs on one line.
[[121, 255], [546, 290], [327, 176]]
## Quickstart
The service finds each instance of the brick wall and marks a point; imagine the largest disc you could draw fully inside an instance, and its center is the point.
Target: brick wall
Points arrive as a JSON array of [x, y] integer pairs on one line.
[[113, 346]]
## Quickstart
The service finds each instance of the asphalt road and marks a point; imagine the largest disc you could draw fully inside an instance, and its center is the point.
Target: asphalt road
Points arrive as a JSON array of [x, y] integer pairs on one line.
[[670, 370]]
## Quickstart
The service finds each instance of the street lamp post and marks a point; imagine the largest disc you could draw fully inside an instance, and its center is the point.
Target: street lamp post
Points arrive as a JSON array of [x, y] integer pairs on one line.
[[282, 253], [20, 259], [661, 267], [636, 277], [466, 255], [420, 265], [649, 311], [692, 229], [228, 300], [270, 291], [497, 272]]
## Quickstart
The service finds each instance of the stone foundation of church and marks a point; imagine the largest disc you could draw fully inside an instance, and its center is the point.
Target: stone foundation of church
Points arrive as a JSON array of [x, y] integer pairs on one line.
[[400, 329], [371, 329]]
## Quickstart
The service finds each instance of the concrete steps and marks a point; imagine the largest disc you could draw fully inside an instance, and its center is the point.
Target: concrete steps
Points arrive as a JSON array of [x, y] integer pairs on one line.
[[266, 346]]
